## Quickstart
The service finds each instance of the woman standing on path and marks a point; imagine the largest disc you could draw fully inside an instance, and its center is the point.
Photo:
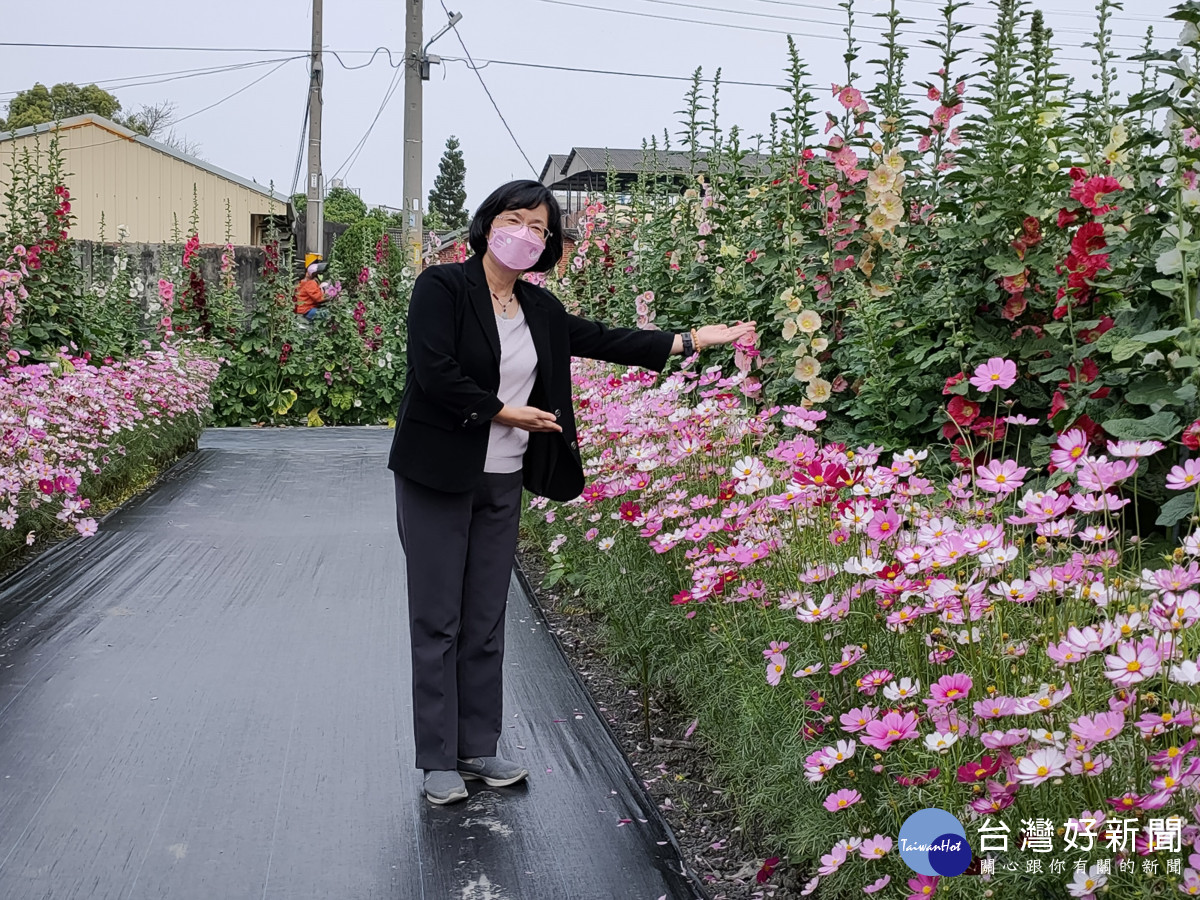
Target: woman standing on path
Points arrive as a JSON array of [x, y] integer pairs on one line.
[[486, 410]]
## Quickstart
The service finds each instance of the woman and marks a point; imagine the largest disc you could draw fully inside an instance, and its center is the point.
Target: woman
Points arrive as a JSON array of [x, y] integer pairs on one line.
[[486, 410]]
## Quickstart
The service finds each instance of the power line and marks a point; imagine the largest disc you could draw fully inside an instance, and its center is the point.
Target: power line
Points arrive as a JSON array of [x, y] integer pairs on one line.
[[348, 163], [489, 93], [234, 94], [811, 21], [754, 28], [177, 75], [300, 150]]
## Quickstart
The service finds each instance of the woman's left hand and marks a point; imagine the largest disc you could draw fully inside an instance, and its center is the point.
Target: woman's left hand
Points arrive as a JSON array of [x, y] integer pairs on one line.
[[712, 335]]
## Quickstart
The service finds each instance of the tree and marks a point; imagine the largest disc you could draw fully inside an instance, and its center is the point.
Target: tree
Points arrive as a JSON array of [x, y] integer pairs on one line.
[[154, 121], [40, 104], [449, 194], [345, 206]]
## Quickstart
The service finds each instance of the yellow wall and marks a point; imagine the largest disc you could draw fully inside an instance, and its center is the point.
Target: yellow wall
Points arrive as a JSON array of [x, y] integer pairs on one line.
[[141, 188]]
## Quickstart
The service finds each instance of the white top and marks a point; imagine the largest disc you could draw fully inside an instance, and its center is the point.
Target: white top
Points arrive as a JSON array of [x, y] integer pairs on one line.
[[518, 369]]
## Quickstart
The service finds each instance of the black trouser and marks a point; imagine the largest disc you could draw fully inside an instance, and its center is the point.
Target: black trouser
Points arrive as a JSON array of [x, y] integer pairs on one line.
[[458, 551]]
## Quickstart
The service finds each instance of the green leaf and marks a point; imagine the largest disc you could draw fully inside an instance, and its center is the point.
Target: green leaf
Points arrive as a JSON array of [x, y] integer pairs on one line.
[[1176, 509], [1153, 337], [1154, 390], [1161, 426], [1186, 362], [1163, 286], [1126, 348], [1005, 265]]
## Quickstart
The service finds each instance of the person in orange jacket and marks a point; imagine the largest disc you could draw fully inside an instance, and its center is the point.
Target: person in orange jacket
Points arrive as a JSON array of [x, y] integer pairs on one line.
[[309, 295]]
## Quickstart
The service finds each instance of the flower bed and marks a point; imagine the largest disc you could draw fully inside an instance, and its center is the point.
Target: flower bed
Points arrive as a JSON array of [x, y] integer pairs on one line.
[[76, 434], [863, 635]]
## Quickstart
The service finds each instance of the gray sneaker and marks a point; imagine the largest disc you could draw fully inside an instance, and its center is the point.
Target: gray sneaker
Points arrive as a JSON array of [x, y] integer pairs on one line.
[[444, 786], [494, 771]]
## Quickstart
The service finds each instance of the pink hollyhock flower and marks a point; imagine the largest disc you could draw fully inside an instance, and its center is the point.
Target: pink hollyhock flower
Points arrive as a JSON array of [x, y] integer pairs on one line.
[[949, 689], [1181, 478], [842, 799], [1001, 476], [876, 847], [878, 885], [995, 373], [1100, 727], [1132, 663], [775, 666], [1041, 765]]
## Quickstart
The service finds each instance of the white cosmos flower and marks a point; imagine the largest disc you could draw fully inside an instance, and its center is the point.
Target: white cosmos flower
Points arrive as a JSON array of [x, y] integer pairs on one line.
[[940, 742]]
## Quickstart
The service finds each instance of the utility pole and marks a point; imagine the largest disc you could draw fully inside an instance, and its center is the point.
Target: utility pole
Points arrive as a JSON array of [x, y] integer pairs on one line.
[[414, 31], [416, 70], [315, 207]]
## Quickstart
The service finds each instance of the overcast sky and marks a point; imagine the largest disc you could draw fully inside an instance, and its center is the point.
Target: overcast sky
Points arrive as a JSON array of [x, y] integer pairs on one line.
[[256, 133]]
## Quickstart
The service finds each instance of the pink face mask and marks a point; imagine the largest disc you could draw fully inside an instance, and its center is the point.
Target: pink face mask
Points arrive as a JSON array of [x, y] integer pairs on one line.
[[516, 248]]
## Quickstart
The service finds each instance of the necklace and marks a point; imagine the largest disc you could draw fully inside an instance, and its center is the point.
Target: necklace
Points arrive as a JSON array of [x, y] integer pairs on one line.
[[504, 303]]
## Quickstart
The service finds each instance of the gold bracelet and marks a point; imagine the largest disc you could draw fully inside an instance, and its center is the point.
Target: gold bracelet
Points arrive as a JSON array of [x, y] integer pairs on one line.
[[695, 340]]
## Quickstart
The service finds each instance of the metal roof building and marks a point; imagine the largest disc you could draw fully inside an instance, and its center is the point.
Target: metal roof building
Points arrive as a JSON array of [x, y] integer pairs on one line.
[[144, 185]]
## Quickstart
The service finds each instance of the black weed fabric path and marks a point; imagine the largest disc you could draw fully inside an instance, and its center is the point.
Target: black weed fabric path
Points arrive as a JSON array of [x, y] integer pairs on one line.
[[210, 699]]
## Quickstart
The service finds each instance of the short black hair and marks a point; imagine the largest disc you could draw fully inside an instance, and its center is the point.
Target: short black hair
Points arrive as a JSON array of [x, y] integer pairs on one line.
[[520, 195]]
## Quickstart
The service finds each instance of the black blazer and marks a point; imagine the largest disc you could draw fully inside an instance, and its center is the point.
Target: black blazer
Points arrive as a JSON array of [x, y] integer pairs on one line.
[[453, 375]]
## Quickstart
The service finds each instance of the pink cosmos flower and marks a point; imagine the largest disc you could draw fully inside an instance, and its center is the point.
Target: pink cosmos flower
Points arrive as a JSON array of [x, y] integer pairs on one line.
[[994, 707], [893, 727], [832, 861], [1001, 476], [858, 718], [842, 799], [775, 666], [878, 885], [876, 847], [1132, 663], [922, 887], [995, 373], [851, 654], [1071, 448], [1180, 478], [998, 740], [1134, 448], [950, 688], [1041, 765], [1100, 727]]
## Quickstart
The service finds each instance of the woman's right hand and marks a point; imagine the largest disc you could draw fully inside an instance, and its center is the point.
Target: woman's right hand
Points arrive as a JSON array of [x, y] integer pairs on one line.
[[527, 418]]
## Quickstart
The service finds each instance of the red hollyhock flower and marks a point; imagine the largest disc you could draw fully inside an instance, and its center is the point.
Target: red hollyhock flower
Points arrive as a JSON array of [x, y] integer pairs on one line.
[[1078, 174], [962, 410], [1091, 192], [1088, 335], [1191, 436], [1014, 306], [952, 381], [1067, 217], [1057, 404], [1092, 429]]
